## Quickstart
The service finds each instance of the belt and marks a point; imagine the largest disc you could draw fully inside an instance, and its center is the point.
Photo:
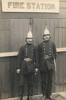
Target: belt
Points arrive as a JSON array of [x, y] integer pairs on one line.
[[27, 59]]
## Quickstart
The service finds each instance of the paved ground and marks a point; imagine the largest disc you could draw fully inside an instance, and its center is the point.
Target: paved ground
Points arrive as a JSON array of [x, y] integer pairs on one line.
[[57, 96]]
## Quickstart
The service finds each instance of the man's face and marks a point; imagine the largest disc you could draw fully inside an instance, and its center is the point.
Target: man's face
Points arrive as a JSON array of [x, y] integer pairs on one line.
[[29, 40], [46, 37]]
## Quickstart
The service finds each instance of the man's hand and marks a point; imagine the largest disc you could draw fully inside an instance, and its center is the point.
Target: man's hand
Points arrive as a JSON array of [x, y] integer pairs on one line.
[[36, 69], [18, 71]]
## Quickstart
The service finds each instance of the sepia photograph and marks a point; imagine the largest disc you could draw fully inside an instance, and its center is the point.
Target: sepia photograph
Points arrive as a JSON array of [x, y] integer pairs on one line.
[[32, 49]]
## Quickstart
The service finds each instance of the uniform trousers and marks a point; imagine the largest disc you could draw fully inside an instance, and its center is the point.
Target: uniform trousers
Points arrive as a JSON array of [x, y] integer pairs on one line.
[[46, 82], [26, 80]]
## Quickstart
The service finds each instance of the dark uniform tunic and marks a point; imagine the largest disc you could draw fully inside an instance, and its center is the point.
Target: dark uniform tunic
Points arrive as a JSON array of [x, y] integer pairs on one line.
[[26, 61], [46, 54]]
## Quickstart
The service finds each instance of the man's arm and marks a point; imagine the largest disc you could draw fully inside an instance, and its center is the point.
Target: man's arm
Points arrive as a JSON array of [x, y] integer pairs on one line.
[[55, 54], [54, 51], [36, 59]]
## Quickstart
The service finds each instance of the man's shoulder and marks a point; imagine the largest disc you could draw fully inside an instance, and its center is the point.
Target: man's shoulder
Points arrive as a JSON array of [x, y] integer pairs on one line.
[[22, 47], [40, 45], [52, 42]]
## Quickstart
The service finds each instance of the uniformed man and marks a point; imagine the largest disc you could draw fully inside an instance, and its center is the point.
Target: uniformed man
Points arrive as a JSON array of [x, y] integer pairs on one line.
[[47, 56], [26, 60]]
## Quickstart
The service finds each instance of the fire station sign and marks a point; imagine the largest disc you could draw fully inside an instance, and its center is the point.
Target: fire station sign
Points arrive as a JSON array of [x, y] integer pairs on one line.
[[50, 6]]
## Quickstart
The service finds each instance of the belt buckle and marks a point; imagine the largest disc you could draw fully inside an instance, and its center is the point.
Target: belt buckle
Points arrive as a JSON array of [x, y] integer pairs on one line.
[[46, 57], [27, 59]]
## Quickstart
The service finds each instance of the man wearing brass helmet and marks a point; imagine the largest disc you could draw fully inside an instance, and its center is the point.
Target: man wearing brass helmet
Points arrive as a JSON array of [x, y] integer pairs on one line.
[[46, 59], [26, 61]]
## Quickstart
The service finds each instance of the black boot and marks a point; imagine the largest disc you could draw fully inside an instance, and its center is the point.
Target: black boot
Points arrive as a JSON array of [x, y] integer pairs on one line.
[[21, 98], [28, 98], [48, 98]]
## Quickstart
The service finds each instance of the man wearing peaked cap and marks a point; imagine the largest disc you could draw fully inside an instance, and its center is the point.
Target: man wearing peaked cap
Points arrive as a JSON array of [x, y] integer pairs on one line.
[[46, 58], [26, 66]]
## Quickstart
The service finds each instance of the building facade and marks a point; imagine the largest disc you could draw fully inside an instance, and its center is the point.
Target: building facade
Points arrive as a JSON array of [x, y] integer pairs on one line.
[[13, 29]]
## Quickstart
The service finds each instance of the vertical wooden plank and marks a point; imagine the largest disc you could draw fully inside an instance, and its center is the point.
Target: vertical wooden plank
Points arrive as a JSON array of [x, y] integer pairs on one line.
[[12, 73], [4, 35], [4, 78], [64, 33], [4, 41], [19, 29], [57, 37]]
